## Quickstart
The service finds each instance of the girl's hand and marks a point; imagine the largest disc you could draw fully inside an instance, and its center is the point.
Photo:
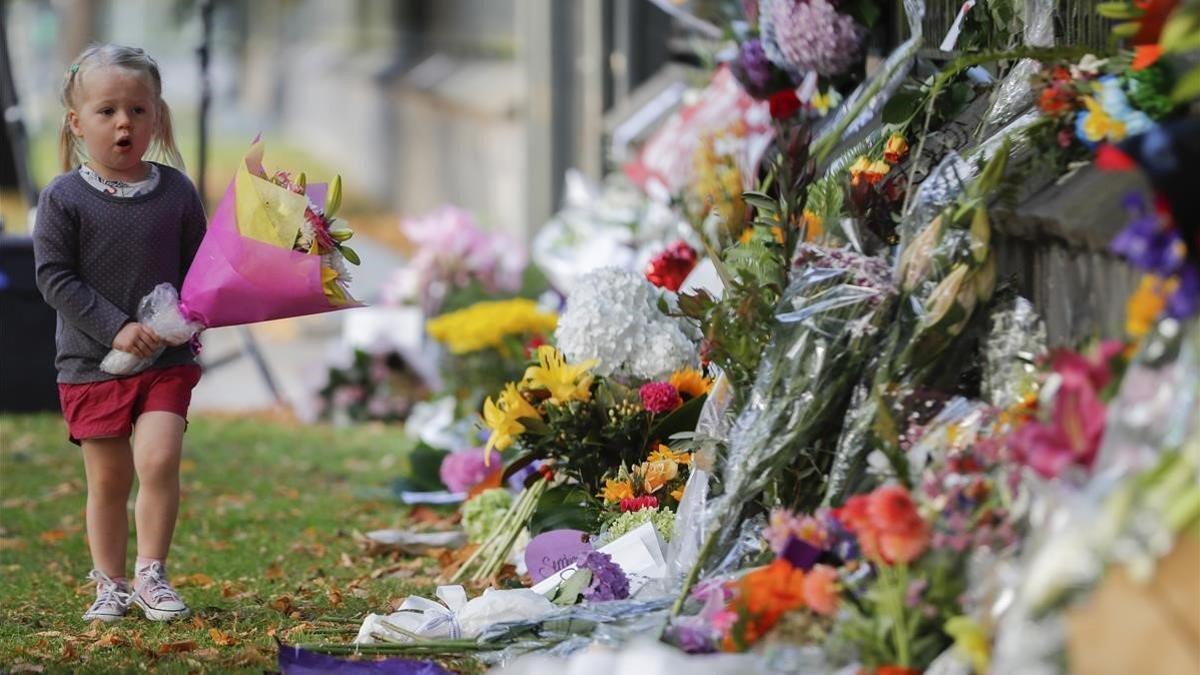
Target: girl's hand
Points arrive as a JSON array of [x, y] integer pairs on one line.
[[137, 340]]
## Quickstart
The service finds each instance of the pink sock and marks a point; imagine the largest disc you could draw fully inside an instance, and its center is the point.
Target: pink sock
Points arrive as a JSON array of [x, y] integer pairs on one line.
[[143, 563]]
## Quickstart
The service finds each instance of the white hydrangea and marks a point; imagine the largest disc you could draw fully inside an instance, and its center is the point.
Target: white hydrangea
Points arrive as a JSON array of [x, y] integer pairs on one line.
[[612, 316]]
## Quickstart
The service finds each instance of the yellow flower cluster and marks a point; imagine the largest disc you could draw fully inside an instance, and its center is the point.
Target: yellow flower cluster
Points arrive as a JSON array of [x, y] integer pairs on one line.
[[1147, 303], [717, 186], [484, 325], [552, 375]]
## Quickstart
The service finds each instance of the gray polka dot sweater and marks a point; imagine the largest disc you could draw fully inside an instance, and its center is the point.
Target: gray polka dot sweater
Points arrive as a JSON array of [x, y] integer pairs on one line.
[[98, 255]]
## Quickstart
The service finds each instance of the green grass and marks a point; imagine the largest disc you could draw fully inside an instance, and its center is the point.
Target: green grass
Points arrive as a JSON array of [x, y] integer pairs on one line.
[[263, 548]]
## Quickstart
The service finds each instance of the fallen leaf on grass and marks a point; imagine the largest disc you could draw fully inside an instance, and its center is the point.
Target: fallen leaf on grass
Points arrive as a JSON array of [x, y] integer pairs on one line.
[[12, 544], [198, 580], [207, 654], [282, 604], [335, 597], [274, 571], [68, 652], [26, 668], [52, 536], [221, 639], [176, 647], [106, 641]]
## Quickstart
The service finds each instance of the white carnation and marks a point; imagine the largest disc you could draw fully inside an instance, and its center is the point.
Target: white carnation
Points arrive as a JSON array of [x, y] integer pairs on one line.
[[612, 316]]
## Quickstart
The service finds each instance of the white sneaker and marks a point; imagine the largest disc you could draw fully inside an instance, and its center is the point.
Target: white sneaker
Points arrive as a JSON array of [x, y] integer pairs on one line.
[[112, 599], [156, 597]]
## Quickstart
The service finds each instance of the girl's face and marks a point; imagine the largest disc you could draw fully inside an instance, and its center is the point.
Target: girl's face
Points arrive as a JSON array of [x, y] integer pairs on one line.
[[115, 115]]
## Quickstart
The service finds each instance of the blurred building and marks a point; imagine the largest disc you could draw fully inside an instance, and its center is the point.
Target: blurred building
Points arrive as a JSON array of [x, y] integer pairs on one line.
[[483, 103]]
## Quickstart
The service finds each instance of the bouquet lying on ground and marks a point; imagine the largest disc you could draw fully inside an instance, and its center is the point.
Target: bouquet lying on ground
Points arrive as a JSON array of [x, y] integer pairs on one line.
[[270, 252]]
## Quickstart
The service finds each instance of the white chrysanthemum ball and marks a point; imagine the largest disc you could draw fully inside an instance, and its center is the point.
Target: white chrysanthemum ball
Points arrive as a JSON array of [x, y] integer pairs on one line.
[[612, 316]]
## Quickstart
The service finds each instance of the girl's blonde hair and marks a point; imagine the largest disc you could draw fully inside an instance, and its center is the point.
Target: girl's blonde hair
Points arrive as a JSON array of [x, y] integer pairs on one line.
[[130, 58]]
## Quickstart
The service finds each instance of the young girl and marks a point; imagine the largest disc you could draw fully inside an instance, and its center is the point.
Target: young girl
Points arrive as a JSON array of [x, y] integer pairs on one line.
[[107, 233]]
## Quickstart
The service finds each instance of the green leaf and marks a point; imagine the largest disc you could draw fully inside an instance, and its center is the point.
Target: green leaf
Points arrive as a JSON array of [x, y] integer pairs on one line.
[[1125, 30], [420, 472], [1188, 86], [683, 418], [569, 591], [1120, 11], [902, 106], [1181, 33], [568, 507], [762, 202], [519, 462], [350, 255]]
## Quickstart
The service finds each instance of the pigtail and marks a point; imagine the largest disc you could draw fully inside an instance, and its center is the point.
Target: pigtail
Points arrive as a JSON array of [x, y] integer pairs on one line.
[[67, 150], [164, 137], [66, 145]]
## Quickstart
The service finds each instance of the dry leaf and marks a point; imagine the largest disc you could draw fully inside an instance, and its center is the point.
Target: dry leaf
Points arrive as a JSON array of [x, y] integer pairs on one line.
[[221, 639], [198, 580], [176, 647], [26, 668], [52, 536], [107, 640], [282, 604], [335, 597], [14, 544], [207, 654], [274, 571]]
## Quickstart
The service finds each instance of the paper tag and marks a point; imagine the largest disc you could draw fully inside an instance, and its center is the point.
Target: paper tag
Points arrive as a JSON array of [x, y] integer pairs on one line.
[[951, 38], [639, 554], [551, 552]]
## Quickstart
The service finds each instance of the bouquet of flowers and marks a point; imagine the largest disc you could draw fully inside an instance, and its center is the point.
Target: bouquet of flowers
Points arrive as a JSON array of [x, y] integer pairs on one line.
[[826, 328], [456, 262], [591, 436], [380, 387], [944, 272], [488, 344], [274, 249]]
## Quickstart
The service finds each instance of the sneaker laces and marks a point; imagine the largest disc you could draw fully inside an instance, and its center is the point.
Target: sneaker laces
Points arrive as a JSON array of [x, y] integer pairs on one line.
[[109, 594], [152, 581]]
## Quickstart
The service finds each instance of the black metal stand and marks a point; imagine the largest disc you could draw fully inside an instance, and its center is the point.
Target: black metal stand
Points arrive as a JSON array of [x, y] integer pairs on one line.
[[249, 344]]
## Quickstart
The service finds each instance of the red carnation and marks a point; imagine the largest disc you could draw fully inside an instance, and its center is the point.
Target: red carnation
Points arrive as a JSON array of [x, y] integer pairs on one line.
[[660, 397], [784, 104], [670, 268]]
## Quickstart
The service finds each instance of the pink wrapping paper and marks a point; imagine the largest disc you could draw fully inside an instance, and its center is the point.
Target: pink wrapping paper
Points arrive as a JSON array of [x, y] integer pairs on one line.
[[236, 280]]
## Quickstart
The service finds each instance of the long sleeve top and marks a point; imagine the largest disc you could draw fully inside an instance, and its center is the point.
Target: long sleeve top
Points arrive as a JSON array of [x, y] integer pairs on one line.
[[98, 255]]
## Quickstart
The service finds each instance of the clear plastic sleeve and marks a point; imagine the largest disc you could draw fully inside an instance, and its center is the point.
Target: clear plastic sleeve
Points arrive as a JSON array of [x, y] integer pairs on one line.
[[1015, 93], [159, 311], [1015, 342], [945, 269], [827, 325]]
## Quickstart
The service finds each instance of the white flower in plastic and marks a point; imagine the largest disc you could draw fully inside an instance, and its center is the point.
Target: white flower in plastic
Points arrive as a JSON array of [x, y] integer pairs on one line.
[[612, 316]]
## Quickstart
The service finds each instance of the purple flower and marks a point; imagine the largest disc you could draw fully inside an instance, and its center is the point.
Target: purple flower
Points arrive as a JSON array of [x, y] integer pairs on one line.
[[803, 36], [1148, 241], [608, 579], [464, 469], [754, 66], [1185, 301]]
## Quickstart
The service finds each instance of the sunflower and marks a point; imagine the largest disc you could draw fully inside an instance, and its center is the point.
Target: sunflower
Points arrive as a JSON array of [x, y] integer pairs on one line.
[[690, 382]]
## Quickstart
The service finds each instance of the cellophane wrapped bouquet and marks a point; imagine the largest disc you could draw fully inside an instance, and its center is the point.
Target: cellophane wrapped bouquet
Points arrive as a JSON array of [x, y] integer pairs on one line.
[[274, 249]]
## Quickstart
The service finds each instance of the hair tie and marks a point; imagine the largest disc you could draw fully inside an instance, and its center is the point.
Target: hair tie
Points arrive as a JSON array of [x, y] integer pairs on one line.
[[74, 68]]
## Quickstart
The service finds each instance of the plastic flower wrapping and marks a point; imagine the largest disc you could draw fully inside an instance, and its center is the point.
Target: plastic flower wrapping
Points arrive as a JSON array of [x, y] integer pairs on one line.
[[899, 468], [273, 250]]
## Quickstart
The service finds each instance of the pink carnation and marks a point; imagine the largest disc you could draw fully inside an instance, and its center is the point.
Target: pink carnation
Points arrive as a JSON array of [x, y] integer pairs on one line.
[[660, 397], [464, 469]]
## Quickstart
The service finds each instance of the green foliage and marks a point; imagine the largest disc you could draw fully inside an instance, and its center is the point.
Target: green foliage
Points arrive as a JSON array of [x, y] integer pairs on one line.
[[564, 507]]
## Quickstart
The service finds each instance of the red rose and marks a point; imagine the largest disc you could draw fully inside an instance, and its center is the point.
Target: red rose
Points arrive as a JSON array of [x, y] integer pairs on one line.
[[784, 104]]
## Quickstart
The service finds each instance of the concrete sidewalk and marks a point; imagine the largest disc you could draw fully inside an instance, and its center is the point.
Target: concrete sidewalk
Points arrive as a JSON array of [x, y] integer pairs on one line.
[[294, 350]]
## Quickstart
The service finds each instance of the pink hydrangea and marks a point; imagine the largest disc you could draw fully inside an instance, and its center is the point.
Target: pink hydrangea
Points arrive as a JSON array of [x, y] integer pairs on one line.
[[660, 397], [464, 469], [802, 36]]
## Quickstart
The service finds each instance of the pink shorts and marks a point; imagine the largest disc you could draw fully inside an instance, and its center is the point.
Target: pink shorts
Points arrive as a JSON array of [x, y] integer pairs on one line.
[[110, 408]]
